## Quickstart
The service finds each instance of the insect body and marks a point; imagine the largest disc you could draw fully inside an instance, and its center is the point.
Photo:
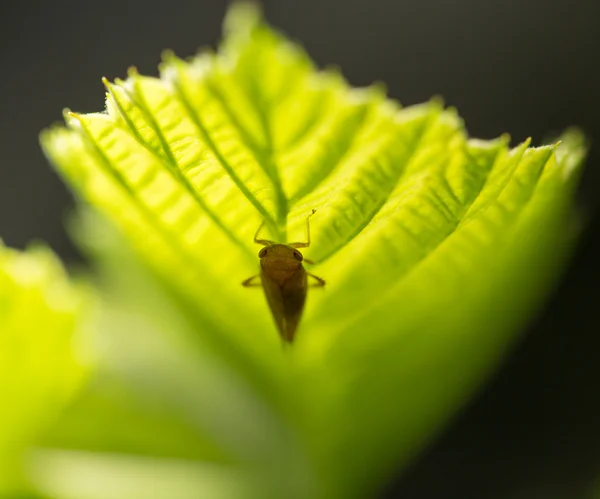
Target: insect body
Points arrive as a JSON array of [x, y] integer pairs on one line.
[[285, 281]]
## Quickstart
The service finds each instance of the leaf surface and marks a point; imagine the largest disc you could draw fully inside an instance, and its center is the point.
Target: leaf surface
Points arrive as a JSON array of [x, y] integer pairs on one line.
[[433, 246], [42, 352]]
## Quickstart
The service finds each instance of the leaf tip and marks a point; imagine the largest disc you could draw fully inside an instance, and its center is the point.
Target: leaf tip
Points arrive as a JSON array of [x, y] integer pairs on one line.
[[242, 18], [108, 86], [380, 88], [168, 56], [505, 139], [571, 149], [437, 101], [168, 66]]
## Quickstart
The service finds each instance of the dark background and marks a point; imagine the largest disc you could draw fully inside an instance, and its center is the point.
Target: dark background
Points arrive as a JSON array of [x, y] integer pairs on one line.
[[524, 67]]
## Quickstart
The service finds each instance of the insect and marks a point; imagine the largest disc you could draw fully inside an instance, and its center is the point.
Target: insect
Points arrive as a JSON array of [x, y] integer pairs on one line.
[[284, 280]]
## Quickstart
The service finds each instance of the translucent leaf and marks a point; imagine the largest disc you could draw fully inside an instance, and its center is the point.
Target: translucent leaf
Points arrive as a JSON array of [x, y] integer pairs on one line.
[[42, 360], [133, 478], [434, 246]]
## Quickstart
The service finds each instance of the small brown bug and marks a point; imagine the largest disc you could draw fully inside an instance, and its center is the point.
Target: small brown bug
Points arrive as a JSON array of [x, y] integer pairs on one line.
[[284, 280]]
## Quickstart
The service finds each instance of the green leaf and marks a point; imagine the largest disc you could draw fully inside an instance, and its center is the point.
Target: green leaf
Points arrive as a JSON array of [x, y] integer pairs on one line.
[[84, 475], [42, 353], [436, 249]]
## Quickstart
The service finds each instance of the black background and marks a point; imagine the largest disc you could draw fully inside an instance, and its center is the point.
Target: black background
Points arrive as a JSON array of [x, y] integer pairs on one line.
[[524, 67]]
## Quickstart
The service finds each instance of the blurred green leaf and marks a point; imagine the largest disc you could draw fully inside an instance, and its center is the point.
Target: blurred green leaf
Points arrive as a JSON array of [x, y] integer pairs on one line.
[[42, 353], [436, 249]]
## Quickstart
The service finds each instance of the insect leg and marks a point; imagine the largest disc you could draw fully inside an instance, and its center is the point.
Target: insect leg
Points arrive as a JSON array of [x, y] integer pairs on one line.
[[320, 282], [307, 243], [248, 282], [264, 242]]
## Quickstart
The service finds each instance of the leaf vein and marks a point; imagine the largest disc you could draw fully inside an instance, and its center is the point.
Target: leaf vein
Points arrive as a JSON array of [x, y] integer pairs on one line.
[[169, 162], [204, 134]]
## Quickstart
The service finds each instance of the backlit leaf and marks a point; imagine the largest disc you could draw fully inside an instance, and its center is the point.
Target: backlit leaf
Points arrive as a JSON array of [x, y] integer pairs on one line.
[[436, 248]]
